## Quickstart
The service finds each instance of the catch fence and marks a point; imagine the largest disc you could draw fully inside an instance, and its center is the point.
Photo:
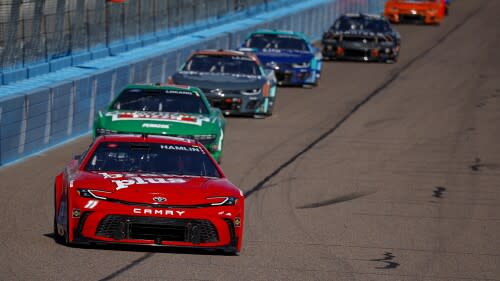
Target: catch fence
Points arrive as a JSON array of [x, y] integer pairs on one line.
[[38, 31]]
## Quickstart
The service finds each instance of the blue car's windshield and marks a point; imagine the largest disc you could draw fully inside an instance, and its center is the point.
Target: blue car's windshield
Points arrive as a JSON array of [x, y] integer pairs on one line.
[[276, 41], [222, 64]]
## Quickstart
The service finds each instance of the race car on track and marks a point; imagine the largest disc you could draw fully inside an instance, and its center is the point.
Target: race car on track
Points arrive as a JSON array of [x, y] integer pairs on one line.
[[293, 58], [361, 37], [147, 190], [424, 11], [233, 81], [164, 110]]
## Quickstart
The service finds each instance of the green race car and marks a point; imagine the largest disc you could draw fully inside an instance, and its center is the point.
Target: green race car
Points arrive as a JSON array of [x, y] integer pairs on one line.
[[179, 111]]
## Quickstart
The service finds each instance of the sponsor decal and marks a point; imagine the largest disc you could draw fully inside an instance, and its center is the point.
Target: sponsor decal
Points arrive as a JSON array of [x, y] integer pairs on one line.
[[156, 126], [76, 213], [125, 180], [157, 212], [179, 92], [91, 204], [182, 148], [237, 222], [158, 116]]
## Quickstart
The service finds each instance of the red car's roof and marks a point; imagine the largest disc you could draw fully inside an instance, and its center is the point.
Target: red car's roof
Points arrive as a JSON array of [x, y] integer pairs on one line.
[[145, 139]]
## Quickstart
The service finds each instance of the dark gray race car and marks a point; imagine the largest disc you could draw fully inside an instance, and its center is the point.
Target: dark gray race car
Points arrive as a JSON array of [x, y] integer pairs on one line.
[[361, 37], [233, 81]]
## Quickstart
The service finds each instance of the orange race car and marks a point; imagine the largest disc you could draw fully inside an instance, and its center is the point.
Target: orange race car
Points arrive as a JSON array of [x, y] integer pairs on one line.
[[425, 11]]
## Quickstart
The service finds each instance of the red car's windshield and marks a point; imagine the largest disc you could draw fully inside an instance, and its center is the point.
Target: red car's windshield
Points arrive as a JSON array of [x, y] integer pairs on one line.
[[151, 158]]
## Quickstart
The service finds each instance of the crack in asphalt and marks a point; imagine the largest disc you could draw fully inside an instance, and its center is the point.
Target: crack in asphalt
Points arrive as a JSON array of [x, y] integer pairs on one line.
[[438, 192], [262, 184], [340, 199]]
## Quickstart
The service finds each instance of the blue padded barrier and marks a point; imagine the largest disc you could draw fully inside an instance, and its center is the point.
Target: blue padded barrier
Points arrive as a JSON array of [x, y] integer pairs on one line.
[[117, 48], [37, 118], [38, 69], [12, 76], [80, 58], [11, 116], [59, 63], [98, 53], [81, 112], [100, 93], [61, 104], [149, 39], [133, 44]]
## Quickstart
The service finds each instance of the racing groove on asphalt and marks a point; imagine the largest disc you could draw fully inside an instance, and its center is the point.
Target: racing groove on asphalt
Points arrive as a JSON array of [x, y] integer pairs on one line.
[[375, 92], [389, 196]]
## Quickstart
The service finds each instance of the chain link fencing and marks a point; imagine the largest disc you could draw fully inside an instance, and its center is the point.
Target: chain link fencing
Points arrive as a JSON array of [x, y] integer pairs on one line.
[[37, 31]]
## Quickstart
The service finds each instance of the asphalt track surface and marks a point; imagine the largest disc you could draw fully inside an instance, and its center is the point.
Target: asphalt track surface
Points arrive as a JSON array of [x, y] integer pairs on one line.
[[383, 172]]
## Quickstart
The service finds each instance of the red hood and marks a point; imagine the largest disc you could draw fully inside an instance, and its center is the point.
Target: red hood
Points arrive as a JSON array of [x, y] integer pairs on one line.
[[141, 188]]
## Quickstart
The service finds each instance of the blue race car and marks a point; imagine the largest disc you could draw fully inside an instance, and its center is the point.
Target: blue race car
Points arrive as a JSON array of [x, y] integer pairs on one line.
[[293, 58]]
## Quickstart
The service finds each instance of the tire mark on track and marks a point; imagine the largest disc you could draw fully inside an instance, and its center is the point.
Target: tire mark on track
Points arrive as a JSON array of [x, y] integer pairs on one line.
[[340, 199], [262, 184], [388, 260], [125, 268]]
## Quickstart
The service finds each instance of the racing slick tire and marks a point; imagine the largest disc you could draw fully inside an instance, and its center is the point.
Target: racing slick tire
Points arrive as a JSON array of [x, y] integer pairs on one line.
[[391, 60], [61, 239], [230, 251], [268, 112]]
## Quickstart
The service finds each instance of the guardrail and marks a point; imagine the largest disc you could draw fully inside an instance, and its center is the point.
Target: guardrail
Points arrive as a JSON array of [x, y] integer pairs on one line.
[[39, 113]]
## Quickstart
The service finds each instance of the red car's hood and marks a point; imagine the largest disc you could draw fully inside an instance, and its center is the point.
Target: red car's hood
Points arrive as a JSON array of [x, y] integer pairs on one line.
[[142, 188], [407, 5]]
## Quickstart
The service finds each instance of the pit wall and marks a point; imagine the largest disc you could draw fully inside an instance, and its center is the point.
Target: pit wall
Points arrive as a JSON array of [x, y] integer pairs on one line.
[[40, 113]]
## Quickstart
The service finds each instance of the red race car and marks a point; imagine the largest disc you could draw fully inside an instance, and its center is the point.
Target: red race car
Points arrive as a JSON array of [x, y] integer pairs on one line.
[[149, 190], [425, 11]]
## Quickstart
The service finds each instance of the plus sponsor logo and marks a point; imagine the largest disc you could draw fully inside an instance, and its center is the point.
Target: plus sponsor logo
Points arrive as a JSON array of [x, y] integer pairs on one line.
[[125, 180]]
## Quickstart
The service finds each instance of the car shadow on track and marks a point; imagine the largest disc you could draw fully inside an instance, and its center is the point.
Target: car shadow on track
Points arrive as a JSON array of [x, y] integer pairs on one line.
[[142, 248]]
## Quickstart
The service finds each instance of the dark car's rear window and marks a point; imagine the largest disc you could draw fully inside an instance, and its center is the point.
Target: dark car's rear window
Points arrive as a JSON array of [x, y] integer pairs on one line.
[[160, 101], [361, 23], [151, 158]]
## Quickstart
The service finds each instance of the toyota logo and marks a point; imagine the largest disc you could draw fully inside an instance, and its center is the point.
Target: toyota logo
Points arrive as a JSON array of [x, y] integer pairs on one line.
[[159, 199]]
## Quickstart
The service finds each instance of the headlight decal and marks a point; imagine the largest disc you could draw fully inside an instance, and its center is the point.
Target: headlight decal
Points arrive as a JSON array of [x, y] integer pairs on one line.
[[223, 201], [87, 193]]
